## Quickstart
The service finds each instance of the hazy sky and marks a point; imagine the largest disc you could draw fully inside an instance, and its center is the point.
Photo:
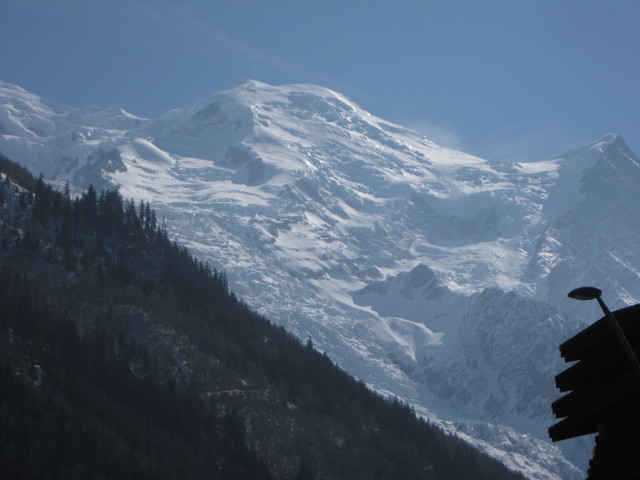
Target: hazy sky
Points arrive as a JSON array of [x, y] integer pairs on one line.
[[512, 79]]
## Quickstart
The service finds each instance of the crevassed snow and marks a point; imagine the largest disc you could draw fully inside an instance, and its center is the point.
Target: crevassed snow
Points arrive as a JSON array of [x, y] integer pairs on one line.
[[431, 274]]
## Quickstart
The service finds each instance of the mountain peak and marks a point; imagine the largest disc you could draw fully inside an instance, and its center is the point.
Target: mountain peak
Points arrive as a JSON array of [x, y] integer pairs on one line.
[[593, 149], [610, 137], [361, 233], [615, 141], [245, 83], [590, 173], [607, 141]]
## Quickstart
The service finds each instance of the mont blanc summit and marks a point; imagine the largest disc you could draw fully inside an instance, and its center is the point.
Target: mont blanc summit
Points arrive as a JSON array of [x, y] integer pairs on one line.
[[429, 273]]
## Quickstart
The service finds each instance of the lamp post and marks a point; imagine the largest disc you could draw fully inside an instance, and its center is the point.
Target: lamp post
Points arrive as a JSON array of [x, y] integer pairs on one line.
[[589, 293]]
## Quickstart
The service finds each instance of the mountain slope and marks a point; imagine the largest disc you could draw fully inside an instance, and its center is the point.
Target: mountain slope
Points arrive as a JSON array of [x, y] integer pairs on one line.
[[324, 212], [123, 357], [591, 224]]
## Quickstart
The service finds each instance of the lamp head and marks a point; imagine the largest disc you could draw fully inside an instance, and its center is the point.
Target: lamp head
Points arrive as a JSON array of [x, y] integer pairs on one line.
[[585, 293]]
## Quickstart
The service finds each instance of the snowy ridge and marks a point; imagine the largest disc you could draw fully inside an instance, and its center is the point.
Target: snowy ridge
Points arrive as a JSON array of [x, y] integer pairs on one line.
[[431, 274]]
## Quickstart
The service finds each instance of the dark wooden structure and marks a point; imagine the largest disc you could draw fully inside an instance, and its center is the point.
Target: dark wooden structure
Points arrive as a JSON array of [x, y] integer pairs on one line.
[[603, 396]]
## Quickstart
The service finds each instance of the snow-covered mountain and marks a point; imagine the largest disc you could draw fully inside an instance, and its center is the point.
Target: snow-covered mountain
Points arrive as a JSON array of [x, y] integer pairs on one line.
[[431, 274]]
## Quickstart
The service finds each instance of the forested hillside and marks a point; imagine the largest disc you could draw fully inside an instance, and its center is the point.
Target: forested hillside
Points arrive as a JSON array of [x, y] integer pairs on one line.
[[122, 356]]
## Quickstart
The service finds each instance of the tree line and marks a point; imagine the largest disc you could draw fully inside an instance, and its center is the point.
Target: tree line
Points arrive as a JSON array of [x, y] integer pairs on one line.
[[90, 287]]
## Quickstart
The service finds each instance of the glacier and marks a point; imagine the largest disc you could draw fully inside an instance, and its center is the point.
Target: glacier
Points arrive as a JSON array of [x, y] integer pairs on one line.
[[431, 274]]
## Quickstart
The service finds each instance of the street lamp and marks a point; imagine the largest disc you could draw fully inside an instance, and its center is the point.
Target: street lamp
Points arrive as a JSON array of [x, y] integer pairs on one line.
[[589, 293]]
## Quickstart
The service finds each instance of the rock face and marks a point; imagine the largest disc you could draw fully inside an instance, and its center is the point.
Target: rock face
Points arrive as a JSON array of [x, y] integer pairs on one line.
[[431, 274]]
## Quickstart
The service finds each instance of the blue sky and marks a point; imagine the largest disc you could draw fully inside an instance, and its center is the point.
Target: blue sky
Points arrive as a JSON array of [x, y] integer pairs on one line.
[[506, 80]]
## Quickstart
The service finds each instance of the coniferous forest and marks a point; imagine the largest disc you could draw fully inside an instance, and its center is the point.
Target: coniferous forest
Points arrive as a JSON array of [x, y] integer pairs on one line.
[[122, 356]]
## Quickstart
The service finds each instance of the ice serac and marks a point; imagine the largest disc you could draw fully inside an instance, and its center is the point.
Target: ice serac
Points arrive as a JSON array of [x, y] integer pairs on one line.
[[431, 274]]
